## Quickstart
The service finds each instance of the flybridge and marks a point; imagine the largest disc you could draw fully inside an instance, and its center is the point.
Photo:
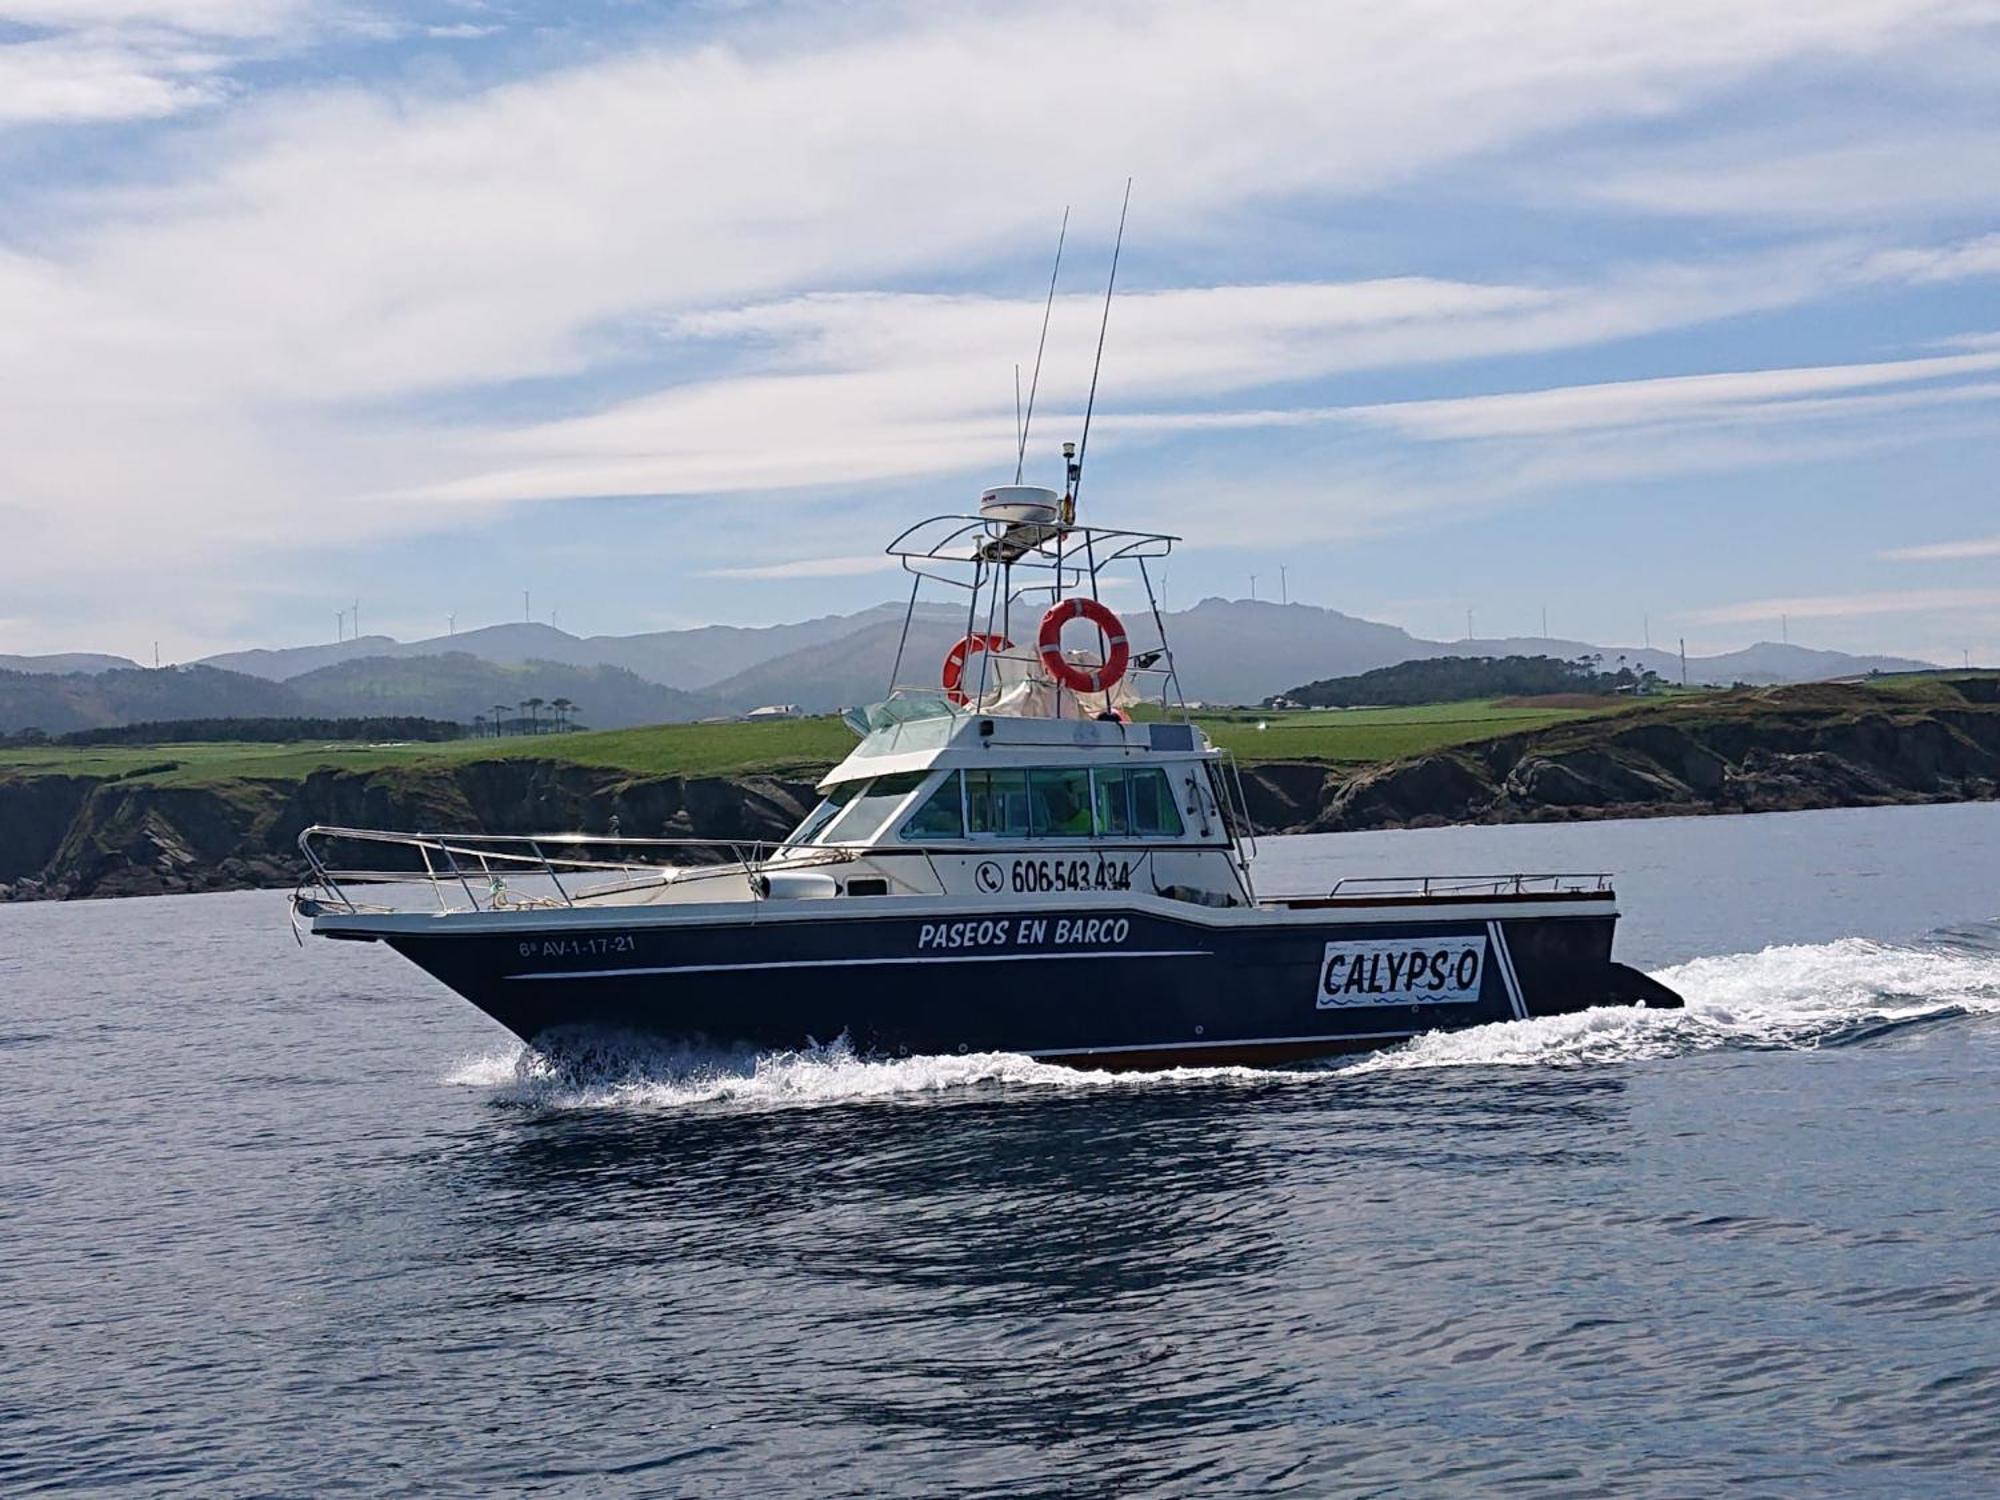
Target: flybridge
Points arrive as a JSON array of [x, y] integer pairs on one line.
[[1017, 566]]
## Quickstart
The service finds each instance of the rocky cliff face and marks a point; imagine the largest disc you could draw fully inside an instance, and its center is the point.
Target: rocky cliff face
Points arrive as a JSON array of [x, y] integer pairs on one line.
[[1774, 750], [1771, 751], [75, 836]]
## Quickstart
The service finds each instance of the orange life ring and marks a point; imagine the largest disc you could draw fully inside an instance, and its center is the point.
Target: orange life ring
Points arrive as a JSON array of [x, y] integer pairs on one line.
[[954, 662], [1082, 679]]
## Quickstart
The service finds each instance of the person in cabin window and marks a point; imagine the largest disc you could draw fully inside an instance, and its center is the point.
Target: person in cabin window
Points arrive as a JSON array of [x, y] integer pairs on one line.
[[1064, 814]]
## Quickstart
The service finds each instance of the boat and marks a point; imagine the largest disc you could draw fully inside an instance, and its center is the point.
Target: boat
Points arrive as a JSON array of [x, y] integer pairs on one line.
[[1039, 852]]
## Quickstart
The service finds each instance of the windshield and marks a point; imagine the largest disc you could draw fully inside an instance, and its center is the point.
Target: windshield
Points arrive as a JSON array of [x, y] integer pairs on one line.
[[865, 815], [825, 813]]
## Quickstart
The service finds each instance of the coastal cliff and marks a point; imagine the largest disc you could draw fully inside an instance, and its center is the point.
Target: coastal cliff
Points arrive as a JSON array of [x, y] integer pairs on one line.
[[1767, 750], [69, 835], [65, 837]]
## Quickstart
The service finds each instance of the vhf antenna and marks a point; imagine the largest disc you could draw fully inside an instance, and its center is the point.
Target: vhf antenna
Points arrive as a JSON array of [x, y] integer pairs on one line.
[[1020, 440], [1083, 447], [1021, 453]]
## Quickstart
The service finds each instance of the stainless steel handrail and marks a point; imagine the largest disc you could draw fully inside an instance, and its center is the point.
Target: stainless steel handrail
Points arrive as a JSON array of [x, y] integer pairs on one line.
[[1588, 882], [523, 854]]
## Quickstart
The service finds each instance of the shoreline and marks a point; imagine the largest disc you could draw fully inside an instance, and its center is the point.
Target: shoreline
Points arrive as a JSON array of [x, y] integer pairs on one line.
[[66, 835], [222, 882]]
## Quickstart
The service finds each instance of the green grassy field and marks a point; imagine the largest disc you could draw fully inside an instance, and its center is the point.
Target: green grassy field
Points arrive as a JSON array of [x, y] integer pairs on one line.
[[1371, 735], [1335, 736], [670, 749]]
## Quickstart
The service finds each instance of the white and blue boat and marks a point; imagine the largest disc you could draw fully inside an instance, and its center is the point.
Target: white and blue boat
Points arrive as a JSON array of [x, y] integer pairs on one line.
[[1042, 853]]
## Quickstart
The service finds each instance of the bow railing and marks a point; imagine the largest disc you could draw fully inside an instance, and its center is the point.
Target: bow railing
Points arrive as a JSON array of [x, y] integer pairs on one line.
[[508, 872]]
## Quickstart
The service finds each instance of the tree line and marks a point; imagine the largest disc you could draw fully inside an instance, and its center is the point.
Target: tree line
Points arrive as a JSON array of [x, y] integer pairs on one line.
[[1453, 679], [527, 718], [263, 729]]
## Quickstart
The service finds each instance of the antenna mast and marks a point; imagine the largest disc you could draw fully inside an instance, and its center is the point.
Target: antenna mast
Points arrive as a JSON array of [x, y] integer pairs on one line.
[[1090, 405], [1021, 450], [1021, 453]]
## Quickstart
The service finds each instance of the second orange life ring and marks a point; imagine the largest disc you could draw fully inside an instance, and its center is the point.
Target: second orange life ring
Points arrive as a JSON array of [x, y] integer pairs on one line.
[[954, 662]]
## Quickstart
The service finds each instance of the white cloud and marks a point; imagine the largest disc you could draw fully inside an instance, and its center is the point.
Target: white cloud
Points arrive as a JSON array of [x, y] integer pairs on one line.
[[71, 79], [1968, 258], [877, 386], [1982, 546], [811, 567], [213, 363], [1848, 606], [214, 17], [1761, 178], [1970, 341], [1630, 403], [91, 61]]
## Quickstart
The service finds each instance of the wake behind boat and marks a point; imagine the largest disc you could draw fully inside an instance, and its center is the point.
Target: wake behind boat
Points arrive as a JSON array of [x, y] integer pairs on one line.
[[1042, 854]]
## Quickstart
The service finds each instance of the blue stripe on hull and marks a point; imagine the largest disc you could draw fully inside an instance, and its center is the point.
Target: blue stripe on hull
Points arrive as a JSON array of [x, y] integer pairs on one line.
[[894, 985]]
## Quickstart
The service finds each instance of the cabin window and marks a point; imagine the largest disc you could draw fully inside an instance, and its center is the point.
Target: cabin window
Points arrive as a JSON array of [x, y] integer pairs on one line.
[[1059, 804], [1153, 812], [996, 803], [1114, 804], [1135, 804], [866, 814], [941, 817], [826, 812]]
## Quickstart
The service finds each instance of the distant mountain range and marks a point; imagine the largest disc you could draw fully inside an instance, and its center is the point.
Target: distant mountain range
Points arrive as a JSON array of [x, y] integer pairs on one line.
[[1228, 651], [685, 659]]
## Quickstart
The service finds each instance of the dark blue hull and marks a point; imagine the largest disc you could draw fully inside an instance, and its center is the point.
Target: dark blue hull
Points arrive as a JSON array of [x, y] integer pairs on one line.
[[1112, 988]]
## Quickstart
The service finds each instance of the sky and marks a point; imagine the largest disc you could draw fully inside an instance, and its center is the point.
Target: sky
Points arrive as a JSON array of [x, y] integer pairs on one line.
[[1675, 320]]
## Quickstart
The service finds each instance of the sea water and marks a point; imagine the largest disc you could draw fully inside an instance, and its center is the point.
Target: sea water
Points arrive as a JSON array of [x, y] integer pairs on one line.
[[286, 1221]]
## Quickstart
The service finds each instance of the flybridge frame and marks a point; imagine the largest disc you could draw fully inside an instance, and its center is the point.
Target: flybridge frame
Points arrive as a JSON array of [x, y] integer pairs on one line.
[[1060, 561]]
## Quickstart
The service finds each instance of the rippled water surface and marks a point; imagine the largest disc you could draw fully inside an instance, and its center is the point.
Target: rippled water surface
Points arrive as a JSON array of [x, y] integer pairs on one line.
[[283, 1221]]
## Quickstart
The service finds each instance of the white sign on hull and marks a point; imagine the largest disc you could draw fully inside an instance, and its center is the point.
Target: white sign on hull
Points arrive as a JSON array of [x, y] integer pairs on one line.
[[1402, 971]]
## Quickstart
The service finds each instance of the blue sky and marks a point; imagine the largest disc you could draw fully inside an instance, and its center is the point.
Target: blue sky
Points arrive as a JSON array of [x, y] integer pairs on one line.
[[1676, 317]]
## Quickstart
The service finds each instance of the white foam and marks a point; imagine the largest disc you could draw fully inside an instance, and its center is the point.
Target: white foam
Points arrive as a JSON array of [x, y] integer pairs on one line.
[[1794, 996], [634, 1073]]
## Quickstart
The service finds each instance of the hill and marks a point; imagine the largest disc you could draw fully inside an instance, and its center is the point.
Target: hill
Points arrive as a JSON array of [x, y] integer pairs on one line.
[[1766, 664], [65, 662], [458, 687], [58, 704], [1228, 651], [463, 687], [1454, 679], [685, 659], [1231, 651]]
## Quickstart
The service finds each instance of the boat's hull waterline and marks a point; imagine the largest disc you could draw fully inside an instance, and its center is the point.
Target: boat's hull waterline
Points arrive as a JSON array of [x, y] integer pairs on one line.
[[1105, 986]]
